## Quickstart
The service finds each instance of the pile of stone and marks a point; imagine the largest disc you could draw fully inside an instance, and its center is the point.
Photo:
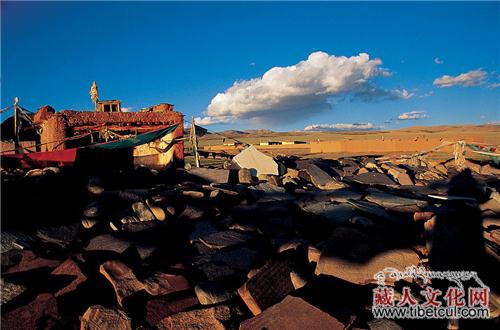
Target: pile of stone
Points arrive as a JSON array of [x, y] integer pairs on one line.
[[283, 243]]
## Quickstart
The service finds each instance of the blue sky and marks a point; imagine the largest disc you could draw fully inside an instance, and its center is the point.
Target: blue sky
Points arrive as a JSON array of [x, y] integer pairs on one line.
[[187, 53]]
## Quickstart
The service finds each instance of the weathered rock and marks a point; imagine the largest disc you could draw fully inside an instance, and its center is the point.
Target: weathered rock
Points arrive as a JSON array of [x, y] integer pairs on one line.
[[134, 224], [384, 324], [370, 209], [489, 170], [30, 262], [93, 210], [201, 319], [292, 173], [161, 306], [361, 221], [492, 205], [298, 281], [320, 178], [343, 195], [374, 178], [423, 216], [143, 212], [10, 291], [213, 292], [404, 179], [61, 235], [88, 223], [238, 258], [95, 186], [211, 174], [193, 194], [122, 278], [157, 211], [256, 161], [356, 257], [161, 284], [69, 268], [335, 213], [313, 254], [15, 240], [272, 179], [11, 258], [42, 310], [268, 286], [394, 202], [292, 313], [99, 318], [223, 239], [108, 243], [268, 192], [201, 228], [192, 212], [245, 176]]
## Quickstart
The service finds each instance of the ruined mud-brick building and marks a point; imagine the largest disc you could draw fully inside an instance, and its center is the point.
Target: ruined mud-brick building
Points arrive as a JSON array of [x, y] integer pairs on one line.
[[70, 129]]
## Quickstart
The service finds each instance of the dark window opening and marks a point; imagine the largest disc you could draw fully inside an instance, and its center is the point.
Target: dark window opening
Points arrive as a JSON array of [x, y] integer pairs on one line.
[[107, 108], [114, 108]]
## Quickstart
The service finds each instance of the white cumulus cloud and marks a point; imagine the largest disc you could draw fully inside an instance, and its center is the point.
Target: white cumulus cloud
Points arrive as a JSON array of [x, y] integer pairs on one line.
[[286, 93], [339, 127], [437, 60], [412, 115], [467, 79], [127, 109]]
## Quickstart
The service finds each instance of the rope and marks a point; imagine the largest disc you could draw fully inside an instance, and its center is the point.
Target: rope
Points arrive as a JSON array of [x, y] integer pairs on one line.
[[58, 141], [5, 109], [225, 137]]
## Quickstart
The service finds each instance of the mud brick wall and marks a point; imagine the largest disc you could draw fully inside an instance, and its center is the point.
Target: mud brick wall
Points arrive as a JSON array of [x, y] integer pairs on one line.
[[65, 123], [385, 146], [53, 130]]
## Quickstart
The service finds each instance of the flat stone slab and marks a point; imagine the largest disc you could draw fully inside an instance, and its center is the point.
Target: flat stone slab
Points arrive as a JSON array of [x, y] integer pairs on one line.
[[223, 239], [122, 278], [10, 291], [356, 257], [370, 208], [99, 318], [161, 284], [15, 240], [213, 292], [268, 286], [108, 243], [318, 177], [343, 195], [61, 235], [211, 174], [374, 178], [256, 161], [30, 262], [162, 306], [269, 192], [292, 313], [196, 319], [192, 212], [30, 316], [69, 267], [239, 258], [335, 213], [394, 202]]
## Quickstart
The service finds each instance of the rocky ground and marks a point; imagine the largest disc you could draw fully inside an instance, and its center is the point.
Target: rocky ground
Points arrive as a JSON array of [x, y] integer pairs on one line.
[[221, 248]]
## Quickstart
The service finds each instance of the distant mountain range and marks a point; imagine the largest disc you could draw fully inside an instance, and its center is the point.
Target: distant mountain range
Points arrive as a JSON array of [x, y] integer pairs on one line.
[[246, 132]]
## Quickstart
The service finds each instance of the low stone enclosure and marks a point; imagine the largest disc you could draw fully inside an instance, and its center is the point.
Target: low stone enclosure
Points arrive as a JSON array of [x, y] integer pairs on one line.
[[206, 248]]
